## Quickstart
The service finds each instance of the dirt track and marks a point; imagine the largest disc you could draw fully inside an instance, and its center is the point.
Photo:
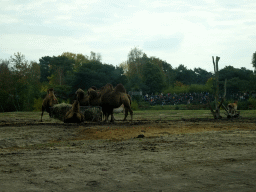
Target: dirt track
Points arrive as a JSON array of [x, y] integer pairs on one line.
[[186, 155]]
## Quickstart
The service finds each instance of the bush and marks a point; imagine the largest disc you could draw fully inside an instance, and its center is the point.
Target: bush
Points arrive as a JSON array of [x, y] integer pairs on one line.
[[38, 104], [134, 105], [252, 103], [197, 106], [144, 105]]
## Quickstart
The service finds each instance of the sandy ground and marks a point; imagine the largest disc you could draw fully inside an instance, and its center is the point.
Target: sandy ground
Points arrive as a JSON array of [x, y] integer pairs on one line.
[[185, 155]]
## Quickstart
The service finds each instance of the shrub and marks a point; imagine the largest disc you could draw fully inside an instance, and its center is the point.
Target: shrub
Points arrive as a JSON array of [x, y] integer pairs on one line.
[[252, 103], [37, 104], [134, 105], [144, 105]]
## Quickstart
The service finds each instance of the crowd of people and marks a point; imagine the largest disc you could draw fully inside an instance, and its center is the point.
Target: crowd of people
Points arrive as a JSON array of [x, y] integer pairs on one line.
[[187, 98]]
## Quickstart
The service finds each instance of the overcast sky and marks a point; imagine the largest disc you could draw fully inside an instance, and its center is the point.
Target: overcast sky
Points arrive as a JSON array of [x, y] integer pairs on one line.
[[187, 32]]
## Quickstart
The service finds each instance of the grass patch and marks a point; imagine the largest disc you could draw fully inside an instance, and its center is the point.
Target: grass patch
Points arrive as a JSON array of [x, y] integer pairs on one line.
[[138, 115]]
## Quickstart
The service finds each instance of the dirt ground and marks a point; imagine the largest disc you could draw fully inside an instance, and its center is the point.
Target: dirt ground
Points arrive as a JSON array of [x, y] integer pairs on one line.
[[179, 155]]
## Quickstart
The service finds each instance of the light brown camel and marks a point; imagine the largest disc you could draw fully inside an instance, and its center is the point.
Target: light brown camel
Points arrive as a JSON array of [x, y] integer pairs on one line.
[[232, 108], [74, 115]]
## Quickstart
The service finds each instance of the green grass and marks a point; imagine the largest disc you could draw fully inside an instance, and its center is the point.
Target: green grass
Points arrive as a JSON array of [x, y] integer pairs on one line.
[[27, 116], [178, 114], [138, 115]]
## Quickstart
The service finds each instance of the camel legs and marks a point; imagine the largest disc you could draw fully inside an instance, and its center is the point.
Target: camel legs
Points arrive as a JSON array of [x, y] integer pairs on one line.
[[126, 113], [112, 117], [42, 113]]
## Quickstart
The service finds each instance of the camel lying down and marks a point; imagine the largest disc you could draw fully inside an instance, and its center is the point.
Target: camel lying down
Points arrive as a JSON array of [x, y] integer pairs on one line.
[[74, 115]]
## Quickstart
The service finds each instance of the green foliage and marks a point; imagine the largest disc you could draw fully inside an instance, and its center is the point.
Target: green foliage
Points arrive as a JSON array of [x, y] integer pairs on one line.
[[254, 60], [252, 103], [26, 81], [181, 88], [44, 63], [134, 105], [143, 105], [37, 104], [243, 105], [177, 90], [153, 77], [198, 107], [198, 88], [94, 73], [184, 75]]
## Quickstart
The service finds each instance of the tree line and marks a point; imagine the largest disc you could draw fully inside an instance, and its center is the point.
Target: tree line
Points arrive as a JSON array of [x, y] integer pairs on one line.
[[24, 83]]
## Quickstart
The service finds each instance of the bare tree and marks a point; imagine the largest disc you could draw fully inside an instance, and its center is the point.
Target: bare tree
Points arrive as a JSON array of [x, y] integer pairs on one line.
[[216, 113]]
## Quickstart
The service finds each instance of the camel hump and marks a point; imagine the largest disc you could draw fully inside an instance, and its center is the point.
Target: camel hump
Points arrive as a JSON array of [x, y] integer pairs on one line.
[[93, 93], [79, 90], [93, 87], [108, 86], [120, 88]]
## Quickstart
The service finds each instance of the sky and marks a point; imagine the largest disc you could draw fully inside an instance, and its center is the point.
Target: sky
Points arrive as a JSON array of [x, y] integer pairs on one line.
[[187, 32]]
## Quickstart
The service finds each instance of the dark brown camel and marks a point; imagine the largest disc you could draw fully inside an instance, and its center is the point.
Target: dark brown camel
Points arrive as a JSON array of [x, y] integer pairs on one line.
[[49, 101], [114, 98]]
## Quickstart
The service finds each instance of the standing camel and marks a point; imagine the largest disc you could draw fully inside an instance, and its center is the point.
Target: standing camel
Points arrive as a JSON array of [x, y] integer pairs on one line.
[[114, 98], [49, 101]]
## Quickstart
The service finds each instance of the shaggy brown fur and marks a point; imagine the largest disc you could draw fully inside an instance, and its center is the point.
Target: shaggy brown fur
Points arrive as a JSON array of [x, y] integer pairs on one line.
[[232, 108], [82, 97], [120, 88], [94, 97], [48, 102], [113, 99], [74, 115]]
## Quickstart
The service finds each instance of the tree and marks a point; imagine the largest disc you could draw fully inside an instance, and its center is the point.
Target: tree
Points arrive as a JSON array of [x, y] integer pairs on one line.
[[60, 68], [169, 73], [94, 73], [21, 83], [95, 56], [44, 63], [153, 77], [7, 87], [77, 58], [184, 75], [134, 62], [254, 60], [201, 75]]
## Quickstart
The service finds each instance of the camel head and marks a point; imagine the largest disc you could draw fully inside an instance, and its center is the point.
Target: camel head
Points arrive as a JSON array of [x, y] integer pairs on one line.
[[50, 91], [80, 94], [92, 93]]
